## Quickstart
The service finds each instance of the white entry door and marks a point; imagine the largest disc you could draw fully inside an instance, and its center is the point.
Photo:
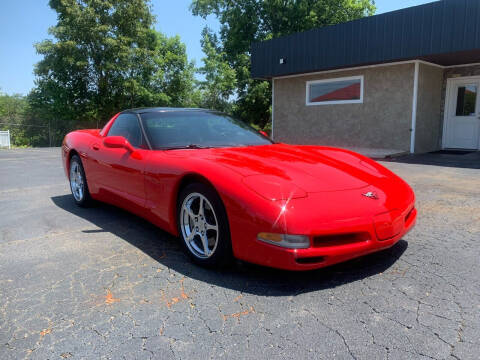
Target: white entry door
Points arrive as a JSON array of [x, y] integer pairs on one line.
[[462, 113]]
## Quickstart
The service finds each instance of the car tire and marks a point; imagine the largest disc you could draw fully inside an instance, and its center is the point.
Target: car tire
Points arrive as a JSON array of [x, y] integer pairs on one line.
[[204, 228], [78, 182]]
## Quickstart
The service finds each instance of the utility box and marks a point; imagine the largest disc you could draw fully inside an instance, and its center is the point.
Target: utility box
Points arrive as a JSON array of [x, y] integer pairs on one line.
[[5, 139]]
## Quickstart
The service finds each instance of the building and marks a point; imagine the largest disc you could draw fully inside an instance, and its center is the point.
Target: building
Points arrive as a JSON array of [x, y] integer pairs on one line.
[[407, 80]]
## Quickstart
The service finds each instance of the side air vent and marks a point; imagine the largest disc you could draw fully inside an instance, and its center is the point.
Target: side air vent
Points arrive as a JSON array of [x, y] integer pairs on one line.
[[340, 239], [310, 260]]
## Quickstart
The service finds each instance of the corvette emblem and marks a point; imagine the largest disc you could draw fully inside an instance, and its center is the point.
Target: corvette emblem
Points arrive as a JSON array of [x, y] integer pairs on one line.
[[371, 195]]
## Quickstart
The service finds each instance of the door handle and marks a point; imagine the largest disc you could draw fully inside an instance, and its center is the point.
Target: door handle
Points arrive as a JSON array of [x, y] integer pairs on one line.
[[95, 147]]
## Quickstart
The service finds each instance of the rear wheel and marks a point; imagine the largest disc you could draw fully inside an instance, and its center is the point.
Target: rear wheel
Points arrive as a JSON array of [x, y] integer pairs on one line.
[[203, 226], [78, 182]]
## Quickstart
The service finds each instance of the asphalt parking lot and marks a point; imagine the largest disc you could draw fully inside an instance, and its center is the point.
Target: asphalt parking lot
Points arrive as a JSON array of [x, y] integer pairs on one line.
[[101, 283]]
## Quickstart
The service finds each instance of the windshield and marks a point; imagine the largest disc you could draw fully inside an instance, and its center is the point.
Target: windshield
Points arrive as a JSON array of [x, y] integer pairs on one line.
[[198, 129]]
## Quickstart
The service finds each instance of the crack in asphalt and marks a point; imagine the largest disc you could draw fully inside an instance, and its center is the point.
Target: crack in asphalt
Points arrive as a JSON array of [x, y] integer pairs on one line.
[[418, 300]]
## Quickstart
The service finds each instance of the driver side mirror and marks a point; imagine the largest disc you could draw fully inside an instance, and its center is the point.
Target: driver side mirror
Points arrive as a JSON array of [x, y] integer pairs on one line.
[[118, 142]]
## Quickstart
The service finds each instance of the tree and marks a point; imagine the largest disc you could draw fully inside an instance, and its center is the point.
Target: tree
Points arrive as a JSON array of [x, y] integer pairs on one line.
[[12, 108], [173, 81], [220, 78], [106, 57], [13, 112], [247, 21]]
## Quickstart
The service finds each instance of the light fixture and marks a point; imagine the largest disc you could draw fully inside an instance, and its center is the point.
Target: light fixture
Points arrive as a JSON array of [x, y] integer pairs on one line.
[[285, 240]]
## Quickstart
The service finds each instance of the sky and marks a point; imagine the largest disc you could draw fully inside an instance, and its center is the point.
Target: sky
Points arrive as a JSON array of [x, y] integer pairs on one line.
[[25, 22]]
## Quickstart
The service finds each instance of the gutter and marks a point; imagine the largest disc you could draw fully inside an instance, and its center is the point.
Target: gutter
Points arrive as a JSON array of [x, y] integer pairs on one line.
[[273, 106], [414, 107]]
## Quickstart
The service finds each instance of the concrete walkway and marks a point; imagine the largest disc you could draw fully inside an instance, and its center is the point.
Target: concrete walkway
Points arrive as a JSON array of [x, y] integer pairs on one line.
[[377, 153]]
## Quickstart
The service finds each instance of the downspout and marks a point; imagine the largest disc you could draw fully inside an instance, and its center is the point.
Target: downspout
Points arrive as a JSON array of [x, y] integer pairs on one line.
[[414, 108], [273, 104]]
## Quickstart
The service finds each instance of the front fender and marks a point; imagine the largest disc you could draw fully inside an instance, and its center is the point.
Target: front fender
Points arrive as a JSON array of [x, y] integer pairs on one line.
[[247, 211]]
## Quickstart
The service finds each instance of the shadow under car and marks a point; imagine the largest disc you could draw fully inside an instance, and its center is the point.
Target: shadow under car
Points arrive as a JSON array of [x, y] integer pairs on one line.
[[239, 276]]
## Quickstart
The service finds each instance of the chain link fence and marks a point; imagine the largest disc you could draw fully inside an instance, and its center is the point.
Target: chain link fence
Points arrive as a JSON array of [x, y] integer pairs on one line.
[[26, 135], [38, 132], [35, 135]]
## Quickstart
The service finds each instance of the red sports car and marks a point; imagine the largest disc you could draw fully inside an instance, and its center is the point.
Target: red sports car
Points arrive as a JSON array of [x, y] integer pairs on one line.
[[228, 191]]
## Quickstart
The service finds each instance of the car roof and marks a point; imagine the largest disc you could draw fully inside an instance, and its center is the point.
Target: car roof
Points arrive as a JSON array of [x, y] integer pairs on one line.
[[163, 109]]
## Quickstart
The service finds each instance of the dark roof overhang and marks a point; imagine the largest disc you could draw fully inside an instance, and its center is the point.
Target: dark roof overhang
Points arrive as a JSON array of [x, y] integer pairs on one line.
[[445, 32]]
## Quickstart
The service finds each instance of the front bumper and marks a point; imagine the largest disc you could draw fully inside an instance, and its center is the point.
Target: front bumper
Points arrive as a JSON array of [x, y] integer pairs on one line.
[[336, 245]]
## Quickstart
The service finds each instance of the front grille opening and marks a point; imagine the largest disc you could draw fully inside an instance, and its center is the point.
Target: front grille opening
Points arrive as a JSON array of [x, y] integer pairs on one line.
[[310, 260], [340, 239]]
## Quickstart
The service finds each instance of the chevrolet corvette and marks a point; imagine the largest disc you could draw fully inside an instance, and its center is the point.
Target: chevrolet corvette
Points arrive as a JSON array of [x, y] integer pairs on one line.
[[228, 191]]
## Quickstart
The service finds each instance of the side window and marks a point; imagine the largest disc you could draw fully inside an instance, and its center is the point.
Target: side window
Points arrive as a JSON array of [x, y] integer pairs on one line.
[[347, 90], [126, 125]]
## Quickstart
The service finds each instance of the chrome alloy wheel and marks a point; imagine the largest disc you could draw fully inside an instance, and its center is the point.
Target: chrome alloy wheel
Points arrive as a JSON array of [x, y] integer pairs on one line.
[[199, 225], [77, 184]]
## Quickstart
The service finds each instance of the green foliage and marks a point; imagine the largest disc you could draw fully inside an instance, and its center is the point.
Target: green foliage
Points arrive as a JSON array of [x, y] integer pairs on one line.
[[106, 57], [12, 108], [13, 117], [220, 78], [247, 21], [173, 81]]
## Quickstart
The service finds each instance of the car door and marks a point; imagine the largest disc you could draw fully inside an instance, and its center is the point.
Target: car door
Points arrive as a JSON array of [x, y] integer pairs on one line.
[[117, 172]]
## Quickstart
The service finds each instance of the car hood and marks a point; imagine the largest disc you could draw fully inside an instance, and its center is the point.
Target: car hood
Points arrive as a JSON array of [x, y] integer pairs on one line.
[[296, 168]]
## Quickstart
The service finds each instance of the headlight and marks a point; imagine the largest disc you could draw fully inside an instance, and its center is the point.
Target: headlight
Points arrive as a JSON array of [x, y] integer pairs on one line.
[[286, 241]]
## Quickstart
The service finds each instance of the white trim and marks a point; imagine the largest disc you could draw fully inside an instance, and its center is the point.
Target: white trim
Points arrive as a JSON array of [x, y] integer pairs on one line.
[[429, 63], [446, 110], [465, 78], [376, 65], [462, 65], [360, 68], [414, 107], [273, 105], [332, 80]]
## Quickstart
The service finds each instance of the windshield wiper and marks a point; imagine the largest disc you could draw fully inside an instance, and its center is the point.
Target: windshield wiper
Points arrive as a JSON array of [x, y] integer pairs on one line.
[[190, 146]]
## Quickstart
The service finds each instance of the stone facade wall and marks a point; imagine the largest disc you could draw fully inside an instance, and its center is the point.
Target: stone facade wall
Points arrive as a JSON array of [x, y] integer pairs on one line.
[[429, 120], [383, 120]]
